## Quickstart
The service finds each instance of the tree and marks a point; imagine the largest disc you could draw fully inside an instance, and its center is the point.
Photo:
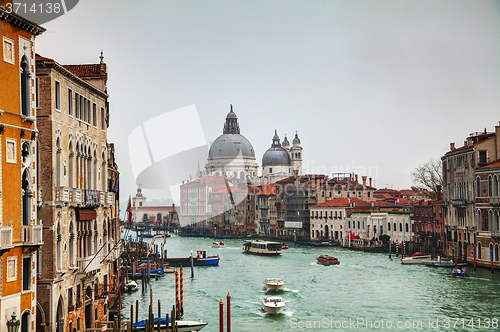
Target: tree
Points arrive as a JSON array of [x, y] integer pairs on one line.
[[428, 176]]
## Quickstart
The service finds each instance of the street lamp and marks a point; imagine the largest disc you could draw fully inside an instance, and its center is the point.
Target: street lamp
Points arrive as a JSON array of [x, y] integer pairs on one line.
[[13, 324]]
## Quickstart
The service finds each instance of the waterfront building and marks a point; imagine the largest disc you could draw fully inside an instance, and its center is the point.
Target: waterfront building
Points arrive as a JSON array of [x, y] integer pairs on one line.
[[162, 215], [487, 203], [367, 225], [462, 186], [428, 224], [265, 194], [79, 207], [20, 230]]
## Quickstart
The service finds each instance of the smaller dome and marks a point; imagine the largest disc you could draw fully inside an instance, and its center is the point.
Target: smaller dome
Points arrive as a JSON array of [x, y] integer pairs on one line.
[[276, 156], [285, 142]]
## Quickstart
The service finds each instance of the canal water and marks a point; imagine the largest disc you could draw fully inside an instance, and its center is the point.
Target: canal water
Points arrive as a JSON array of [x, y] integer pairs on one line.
[[366, 292]]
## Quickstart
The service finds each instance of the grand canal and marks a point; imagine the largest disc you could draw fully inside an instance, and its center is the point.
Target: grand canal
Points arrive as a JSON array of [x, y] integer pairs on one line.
[[365, 292]]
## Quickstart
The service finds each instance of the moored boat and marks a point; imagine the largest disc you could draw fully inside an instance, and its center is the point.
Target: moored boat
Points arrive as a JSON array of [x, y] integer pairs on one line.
[[218, 244], [327, 260], [266, 248], [201, 259], [274, 283], [131, 286], [182, 325], [415, 259], [273, 304]]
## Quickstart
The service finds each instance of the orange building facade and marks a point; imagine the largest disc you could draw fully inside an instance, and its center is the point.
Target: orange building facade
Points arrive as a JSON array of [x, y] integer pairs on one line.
[[20, 233]]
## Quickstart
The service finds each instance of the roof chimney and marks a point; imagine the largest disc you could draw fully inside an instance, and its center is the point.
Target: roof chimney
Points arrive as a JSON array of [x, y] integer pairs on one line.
[[364, 181], [452, 146], [356, 175], [370, 182], [438, 192]]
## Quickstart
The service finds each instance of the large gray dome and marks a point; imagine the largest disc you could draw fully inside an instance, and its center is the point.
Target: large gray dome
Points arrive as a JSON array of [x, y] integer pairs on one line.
[[229, 146], [276, 156]]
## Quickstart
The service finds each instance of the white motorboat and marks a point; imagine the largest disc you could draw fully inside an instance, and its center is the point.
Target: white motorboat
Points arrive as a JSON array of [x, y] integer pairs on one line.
[[415, 260], [218, 244], [273, 304], [131, 286], [274, 283]]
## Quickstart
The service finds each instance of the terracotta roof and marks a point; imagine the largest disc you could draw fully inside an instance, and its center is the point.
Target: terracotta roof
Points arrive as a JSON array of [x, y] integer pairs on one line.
[[493, 164], [91, 70], [487, 136], [39, 57]]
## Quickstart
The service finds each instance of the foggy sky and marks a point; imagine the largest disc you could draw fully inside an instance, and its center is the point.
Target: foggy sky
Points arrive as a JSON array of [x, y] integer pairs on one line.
[[374, 87]]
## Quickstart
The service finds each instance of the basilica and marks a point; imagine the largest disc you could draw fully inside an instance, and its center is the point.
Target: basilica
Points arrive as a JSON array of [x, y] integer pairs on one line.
[[232, 155]]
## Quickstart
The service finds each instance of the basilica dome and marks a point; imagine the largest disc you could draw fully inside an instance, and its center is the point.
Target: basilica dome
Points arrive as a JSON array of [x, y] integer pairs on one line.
[[276, 155], [230, 146]]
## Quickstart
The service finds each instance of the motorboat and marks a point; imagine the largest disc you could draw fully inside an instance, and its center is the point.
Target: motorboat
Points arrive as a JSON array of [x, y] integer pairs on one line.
[[218, 244], [182, 325], [420, 259], [131, 286], [273, 304], [266, 248], [201, 259], [327, 260], [459, 271], [284, 245], [274, 283]]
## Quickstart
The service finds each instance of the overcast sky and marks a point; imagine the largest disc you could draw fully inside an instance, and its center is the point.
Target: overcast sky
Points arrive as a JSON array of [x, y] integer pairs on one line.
[[375, 87]]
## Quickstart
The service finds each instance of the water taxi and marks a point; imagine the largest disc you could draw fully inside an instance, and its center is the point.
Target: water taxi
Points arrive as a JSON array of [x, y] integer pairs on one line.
[[327, 260], [273, 304], [266, 248], [218, 244], [274, 283]]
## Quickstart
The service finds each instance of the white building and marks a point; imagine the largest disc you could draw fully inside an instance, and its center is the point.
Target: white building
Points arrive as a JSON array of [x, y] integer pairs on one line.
[[369, 225]]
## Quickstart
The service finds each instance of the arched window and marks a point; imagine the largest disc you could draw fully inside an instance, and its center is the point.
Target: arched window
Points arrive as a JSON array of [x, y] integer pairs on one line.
[[25, 86], [145, 217], [71, 245], [478, 187], [242, 176], [26, 198], [59, 248], [407, 227], [96, 243], [71, 165], [58, 162], [95, 171], [89, 170], [158, 217], [495, 253], [479, 256], [104, 173], [490, 186]]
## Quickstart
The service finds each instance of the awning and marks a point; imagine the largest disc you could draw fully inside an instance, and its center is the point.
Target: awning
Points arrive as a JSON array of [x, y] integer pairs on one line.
[[86, 214]]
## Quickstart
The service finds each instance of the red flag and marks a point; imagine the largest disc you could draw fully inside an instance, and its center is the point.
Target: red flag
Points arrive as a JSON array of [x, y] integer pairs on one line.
[[129, 211]]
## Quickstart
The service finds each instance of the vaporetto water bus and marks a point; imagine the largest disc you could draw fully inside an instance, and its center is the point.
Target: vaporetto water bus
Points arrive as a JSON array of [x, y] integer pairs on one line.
[[265, 248]]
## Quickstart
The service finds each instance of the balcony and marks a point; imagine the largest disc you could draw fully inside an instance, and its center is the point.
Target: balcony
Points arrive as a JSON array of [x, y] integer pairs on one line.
[[5, 238], [102, 198], [459, 202], [264, 207], [495, 234], [495, 200], [484, 234], [32, 235], [62, 195], [76, 197], [93, 263], [110, 198]]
